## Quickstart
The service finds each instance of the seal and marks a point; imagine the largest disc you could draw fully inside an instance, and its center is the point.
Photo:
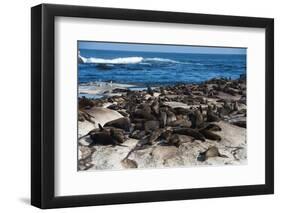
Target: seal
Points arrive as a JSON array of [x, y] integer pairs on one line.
[[151, 125], [103, 138], [143, 113], [121, 123], [177, 139], [93, 131], [129, 164], [149, 90], [110, 136], [210, 135], [155, 107], [117, 135], [212, 127], [170, 117], [163, 119], [211, 116], [180, 123], [212, 151], [138, 134], [196, 119], [190, 132], [154, 136]]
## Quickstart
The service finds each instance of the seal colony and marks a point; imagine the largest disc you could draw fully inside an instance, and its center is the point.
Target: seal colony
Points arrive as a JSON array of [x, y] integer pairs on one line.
[[171, 126]]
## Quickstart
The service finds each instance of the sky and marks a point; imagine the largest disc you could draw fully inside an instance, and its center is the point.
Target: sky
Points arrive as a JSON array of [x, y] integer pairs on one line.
[[159, 48]]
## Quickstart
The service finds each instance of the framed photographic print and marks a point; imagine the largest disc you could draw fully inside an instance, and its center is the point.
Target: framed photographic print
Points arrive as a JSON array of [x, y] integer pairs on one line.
[[139, 106]]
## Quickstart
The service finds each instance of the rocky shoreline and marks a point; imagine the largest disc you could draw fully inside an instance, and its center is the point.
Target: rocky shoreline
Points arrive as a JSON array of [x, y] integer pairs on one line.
[[172, 126]]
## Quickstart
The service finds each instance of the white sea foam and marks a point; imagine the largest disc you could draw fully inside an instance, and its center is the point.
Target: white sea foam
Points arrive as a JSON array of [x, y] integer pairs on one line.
[[161, 60], [130, 60], [126, 60]]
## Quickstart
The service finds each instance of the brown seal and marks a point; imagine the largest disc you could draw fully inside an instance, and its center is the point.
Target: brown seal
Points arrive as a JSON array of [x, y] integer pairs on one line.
[[196, 119], [121, 123], [212, 151], [106, 136], [211, 116], [129, 164], [163, 119], [212, 127], [177, 139], [170, 117], [151, 125], [189, 132], [210, 135]]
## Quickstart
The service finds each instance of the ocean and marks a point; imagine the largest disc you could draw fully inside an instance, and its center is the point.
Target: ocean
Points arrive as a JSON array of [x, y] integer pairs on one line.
[[157, 68]]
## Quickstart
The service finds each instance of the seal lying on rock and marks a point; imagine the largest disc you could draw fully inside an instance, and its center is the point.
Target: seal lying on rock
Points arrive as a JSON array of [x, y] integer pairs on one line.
[[210, 135], [212, 151], [177, 139], [128, 163], [121, 123], [212, 127], [189, 132], [104, 138]]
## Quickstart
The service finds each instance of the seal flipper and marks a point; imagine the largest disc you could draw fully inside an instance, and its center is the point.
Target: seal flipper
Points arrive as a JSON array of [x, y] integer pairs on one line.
[[101, 128], [223, 156]]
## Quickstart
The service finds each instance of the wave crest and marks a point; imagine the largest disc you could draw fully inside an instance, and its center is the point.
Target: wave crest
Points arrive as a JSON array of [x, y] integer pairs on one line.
[[161, 60], [130, 60], [126, 60]]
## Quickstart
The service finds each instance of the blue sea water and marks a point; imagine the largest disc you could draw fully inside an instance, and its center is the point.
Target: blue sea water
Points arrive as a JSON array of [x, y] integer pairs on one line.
[[157, 68]]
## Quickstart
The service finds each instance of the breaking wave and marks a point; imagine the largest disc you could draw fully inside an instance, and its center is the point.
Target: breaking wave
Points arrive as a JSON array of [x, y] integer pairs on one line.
[[127, 60]]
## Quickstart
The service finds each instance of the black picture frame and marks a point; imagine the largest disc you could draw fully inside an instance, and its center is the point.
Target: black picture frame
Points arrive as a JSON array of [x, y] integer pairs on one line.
[[43, 117]]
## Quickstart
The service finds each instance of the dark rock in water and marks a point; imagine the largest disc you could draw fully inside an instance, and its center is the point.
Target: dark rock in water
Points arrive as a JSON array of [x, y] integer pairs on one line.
[[210, 135], [120, 90], [152, 125], [121, 123], [149, 91], [242, 77], [189, 132]]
